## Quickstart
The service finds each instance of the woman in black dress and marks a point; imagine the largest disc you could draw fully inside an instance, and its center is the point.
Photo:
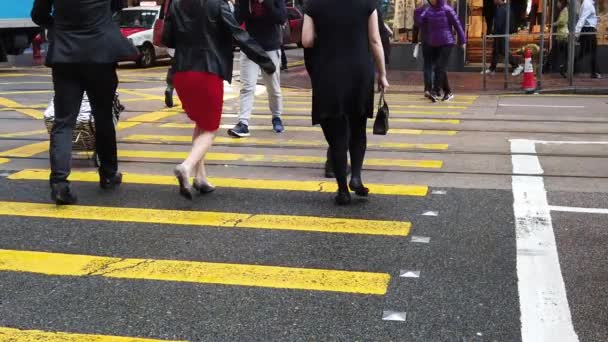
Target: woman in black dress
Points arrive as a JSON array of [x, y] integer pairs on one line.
[[346, 41]]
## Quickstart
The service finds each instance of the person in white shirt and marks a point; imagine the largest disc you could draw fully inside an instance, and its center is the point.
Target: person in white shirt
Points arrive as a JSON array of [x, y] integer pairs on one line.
[[587, 24]]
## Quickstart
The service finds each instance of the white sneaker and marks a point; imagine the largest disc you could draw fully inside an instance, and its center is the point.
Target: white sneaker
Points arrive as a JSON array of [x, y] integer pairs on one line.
[[488, 72], [518, 70]]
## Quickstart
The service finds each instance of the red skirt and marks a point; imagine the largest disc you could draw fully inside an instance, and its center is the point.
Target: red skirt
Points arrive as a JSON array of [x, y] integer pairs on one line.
[[202, 97]]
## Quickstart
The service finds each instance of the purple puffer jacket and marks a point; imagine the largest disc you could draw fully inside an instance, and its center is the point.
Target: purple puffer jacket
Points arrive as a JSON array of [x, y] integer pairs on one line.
[[437, 22]]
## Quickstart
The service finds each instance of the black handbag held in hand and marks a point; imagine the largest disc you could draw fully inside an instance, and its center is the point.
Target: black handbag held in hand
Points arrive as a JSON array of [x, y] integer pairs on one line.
[[381, 123]]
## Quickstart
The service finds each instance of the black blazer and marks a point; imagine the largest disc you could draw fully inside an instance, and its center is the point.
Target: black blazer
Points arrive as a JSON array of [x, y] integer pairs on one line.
[[82, 31], [202, 32]]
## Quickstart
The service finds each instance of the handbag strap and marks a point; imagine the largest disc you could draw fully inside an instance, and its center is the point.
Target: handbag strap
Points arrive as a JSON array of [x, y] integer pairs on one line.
[[381, 99]]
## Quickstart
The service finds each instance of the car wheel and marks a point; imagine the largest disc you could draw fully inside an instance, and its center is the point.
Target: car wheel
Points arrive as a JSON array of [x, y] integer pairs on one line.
[[148, 56]]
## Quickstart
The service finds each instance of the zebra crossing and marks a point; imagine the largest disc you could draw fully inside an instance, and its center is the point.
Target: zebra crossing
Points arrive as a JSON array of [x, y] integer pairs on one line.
[[159, 137]]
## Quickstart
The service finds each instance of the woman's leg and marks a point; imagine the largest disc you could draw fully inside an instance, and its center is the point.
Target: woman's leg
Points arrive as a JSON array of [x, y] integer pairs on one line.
[[357, 147], [441, 69], [336, 134], [205, 139]]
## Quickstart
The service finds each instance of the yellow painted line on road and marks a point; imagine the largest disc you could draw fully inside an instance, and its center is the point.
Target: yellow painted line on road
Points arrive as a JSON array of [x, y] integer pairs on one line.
[[318, 129], [27, 150], [274, 142], [287, 101], [307, 117], [258, 184], [207, 219], [17, 335], [26, 92], [147, 118], [12, 75], [22, 134], [280, 159], [4, 160], [36, 114], [59, 264]]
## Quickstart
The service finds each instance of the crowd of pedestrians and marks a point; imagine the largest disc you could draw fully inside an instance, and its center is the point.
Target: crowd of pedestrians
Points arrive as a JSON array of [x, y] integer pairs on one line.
[[344, 55]]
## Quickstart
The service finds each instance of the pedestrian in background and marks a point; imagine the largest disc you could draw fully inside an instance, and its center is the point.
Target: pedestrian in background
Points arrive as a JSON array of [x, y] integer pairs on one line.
[[263, 20], [169, 80], [587, 25], [560, 48], [498, 47], [344, 39], [488, 14], [202, 32], [420, 38], [86, 44], [439, 20]]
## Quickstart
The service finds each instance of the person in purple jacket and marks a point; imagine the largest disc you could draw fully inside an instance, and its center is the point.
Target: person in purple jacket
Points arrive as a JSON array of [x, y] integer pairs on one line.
[[438, 21]]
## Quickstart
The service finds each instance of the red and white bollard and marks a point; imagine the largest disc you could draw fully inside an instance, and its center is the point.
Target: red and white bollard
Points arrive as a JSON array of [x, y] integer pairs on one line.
[[528, 83]]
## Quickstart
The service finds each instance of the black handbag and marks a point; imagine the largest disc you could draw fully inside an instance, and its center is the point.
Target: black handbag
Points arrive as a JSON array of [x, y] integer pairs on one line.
[[381, 123]]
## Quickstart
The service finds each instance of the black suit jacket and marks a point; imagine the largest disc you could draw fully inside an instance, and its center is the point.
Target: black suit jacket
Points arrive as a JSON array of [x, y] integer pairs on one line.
[[82, 31]]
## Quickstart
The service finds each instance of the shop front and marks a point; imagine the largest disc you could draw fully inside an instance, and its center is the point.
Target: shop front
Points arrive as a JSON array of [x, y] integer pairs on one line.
[[529, 30]]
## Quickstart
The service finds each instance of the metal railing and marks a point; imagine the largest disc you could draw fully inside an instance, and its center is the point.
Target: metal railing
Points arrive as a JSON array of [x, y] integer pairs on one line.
[[542, 42]]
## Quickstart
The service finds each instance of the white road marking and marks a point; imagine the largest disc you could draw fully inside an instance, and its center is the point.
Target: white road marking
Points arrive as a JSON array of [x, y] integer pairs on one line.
[[536, 106], [430, 213], [389, 315], [578, 209], [545, 313]]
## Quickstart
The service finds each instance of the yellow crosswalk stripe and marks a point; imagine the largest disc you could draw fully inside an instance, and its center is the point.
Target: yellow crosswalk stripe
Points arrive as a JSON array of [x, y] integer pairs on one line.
[[36, 114], [275, 142], [4, 160], [318, 129], [433, 109], [16, 335], [280, 159], [22, 134], [207, 219], [29, 150], [396, 104], [307, 117], [59, 264], [258, 184]]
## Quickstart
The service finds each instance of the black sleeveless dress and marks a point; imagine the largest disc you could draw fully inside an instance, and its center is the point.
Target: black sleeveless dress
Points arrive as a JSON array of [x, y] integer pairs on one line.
[[341, 64]]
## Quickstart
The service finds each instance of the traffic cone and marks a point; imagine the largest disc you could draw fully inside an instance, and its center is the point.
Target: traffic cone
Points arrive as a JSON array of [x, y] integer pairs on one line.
[[528, 83]]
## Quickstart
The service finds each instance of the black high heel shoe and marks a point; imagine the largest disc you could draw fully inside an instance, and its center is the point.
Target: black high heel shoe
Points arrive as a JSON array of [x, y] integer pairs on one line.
[[343, 198], [203, 188], [357, 186]]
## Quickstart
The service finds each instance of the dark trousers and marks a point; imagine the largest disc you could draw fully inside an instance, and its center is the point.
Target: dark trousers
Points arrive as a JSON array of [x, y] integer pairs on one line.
[[489, 23], [589, 47], [170, 75], [283, 58], [439, 57], [427, 68], [561, 54], [533, 17], [498, 49], [70, 81], [343, 135]]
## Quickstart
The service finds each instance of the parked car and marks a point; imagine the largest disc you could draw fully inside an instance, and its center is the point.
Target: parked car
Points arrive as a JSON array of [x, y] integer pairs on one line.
[[295, 17], [137, 24]]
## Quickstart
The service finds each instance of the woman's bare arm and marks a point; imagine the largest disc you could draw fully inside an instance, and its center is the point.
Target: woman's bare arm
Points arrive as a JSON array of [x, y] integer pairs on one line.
[[375, 45], [308, 32]]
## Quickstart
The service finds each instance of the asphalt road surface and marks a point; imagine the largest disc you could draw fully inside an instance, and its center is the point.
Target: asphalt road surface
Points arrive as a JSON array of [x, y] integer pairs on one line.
[[487, 222]]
